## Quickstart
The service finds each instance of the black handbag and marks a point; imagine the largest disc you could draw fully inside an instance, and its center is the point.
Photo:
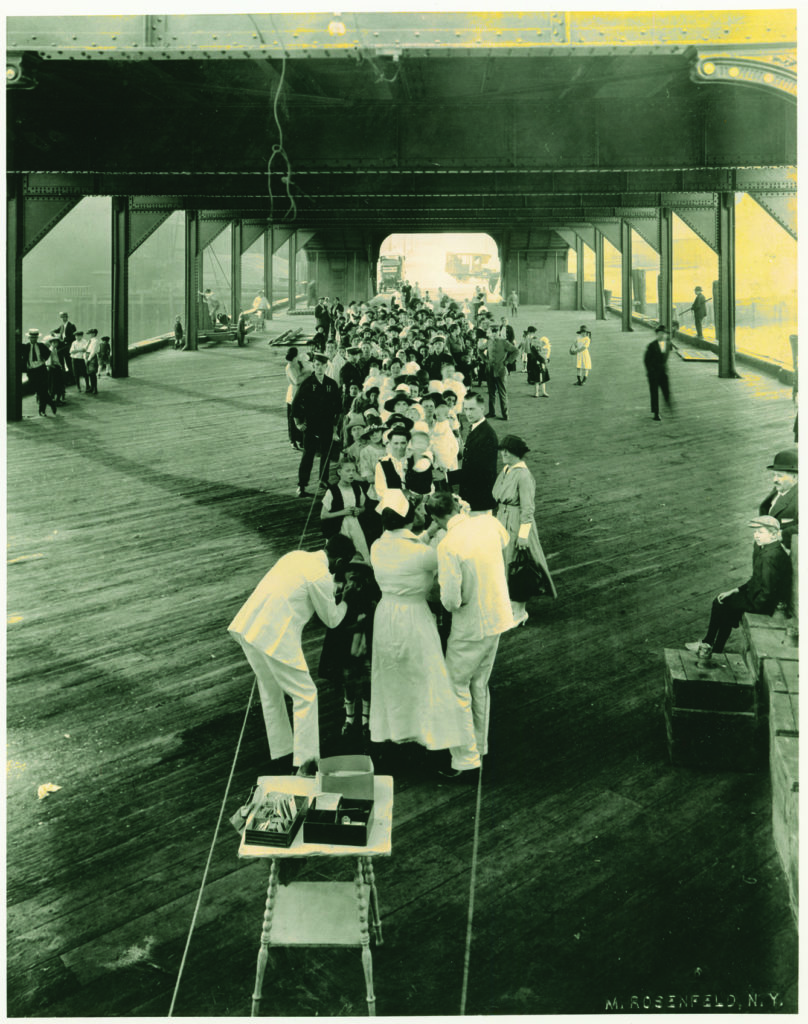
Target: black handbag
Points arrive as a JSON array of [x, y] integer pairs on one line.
[[526, 578]]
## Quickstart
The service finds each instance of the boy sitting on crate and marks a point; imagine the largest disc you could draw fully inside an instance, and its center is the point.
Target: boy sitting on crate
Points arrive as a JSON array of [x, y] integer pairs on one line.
[[769, 584]]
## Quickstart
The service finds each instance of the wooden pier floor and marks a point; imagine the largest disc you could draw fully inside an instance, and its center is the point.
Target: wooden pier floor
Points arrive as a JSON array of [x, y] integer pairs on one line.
[[140, 519]]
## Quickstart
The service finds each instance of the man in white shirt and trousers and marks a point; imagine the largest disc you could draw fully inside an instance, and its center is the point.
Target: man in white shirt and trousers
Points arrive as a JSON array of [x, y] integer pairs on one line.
[[474, 588], [269, 627]]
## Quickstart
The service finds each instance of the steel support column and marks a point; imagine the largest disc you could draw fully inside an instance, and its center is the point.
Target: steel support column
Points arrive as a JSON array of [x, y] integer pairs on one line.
[[236, 238], [292, 270], [579, 272], [14, 251], [600, 305], [627, 299], [665, 286], [192, 275], [725, 299], [269, 249], [120, 286]]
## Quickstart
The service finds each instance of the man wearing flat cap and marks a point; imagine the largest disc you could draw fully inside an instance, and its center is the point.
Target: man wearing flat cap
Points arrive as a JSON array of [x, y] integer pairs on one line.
[[316, 409], [782, 503], [769, 584]]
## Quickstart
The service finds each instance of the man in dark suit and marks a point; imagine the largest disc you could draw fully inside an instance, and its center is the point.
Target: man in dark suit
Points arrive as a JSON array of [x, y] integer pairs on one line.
[[35, 355], [656, 366], [480, 453], [782, 503], [699, 308], [316, 409]]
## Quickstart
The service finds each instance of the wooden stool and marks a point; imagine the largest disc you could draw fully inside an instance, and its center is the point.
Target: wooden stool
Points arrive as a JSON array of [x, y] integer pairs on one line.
[[324, 913]]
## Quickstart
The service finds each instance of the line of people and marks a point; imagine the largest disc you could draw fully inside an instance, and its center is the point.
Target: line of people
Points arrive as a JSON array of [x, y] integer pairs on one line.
[[65, 356], [427, 512]]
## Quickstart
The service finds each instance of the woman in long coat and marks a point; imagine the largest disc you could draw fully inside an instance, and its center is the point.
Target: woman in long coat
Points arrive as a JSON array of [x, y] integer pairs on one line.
[[412, 698], [515, 492]]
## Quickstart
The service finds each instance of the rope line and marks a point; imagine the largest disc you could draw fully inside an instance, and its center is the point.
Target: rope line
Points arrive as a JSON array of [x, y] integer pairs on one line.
[[210, 851], [473, 881], [227, 789]]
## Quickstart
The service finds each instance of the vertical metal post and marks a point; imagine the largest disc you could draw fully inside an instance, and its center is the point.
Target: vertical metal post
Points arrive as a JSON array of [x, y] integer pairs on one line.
[[317, 275], [15, 205], [269, 249], [600, 305], [192, 267], [665, 287], [627, 299], [579, 272], [725, 300], [518, 276], [292, 269], [236, 234], [353, 295], [120, 286]]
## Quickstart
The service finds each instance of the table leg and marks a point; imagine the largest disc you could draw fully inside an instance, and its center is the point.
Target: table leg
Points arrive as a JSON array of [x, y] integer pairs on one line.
[[263, 951], [367, 962], [375, 916]]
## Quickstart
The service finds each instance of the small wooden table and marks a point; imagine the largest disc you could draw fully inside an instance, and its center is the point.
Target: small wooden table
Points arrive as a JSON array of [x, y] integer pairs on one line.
[[324, 913]]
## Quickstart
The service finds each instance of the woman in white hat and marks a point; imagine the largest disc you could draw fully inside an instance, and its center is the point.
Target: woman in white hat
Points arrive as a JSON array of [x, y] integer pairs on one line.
[[412, 697], [580, 349]]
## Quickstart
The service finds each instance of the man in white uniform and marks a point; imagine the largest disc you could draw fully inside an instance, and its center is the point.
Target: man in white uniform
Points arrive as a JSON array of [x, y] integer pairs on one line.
[[269, 627], [474, 588]]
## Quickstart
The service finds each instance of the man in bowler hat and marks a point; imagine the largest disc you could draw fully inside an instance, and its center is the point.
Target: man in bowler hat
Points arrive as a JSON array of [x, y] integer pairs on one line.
[[782, 502], [656, 366]]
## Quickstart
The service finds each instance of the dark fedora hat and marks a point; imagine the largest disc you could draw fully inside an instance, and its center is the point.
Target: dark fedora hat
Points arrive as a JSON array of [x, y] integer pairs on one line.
[[583, 329], [785, 461]]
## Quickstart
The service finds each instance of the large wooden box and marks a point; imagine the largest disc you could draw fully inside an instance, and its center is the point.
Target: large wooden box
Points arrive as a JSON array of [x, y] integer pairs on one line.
[[766, 637], [785, 810], [723, 684], [711, 713]]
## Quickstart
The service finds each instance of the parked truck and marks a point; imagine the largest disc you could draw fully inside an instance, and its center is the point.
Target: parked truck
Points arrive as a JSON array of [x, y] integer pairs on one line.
[[391, 272]]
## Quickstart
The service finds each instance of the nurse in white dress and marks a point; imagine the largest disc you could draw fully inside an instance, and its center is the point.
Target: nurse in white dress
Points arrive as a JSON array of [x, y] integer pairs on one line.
[[412, 698]]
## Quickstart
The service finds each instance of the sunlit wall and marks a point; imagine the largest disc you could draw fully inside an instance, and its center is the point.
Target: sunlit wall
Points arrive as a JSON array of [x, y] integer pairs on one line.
[[765, 284]]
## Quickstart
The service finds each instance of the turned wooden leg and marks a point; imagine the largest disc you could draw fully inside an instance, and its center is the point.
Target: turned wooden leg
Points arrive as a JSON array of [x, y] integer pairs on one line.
[[263, 951], [367, 962], [375, 916]]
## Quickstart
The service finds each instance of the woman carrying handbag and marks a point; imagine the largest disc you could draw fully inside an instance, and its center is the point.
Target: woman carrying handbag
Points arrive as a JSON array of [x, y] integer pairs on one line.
[[514, 491]]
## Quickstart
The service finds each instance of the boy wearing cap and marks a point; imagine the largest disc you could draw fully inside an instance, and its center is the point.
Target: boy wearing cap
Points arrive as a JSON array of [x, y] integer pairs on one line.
[[782, 503], [769, 584]]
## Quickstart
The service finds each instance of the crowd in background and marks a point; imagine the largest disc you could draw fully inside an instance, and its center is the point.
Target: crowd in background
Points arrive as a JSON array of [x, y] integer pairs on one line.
[[63, 358]]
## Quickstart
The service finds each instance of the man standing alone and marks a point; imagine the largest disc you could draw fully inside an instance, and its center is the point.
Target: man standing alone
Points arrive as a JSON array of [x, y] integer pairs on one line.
[[656, 366], [474, 588], [699, 308]]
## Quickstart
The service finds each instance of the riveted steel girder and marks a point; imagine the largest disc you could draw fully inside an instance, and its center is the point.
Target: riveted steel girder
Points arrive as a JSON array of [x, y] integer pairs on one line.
[[146, 214], [321, 34], [773, 69], [782, 207], [40, 214], [251, 231]]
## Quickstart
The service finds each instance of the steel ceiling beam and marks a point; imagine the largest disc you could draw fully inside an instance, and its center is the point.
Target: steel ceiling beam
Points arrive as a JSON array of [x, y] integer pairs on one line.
[[312, 35]]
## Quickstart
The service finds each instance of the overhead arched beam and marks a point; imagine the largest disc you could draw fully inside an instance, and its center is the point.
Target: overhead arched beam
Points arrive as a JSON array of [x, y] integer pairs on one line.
[[773, 70]]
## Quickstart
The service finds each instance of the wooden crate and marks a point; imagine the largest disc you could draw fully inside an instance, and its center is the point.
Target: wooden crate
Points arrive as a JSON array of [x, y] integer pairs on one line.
[[724, 684], [785, 810], [725, 741], [781, 676], [763, 637]]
